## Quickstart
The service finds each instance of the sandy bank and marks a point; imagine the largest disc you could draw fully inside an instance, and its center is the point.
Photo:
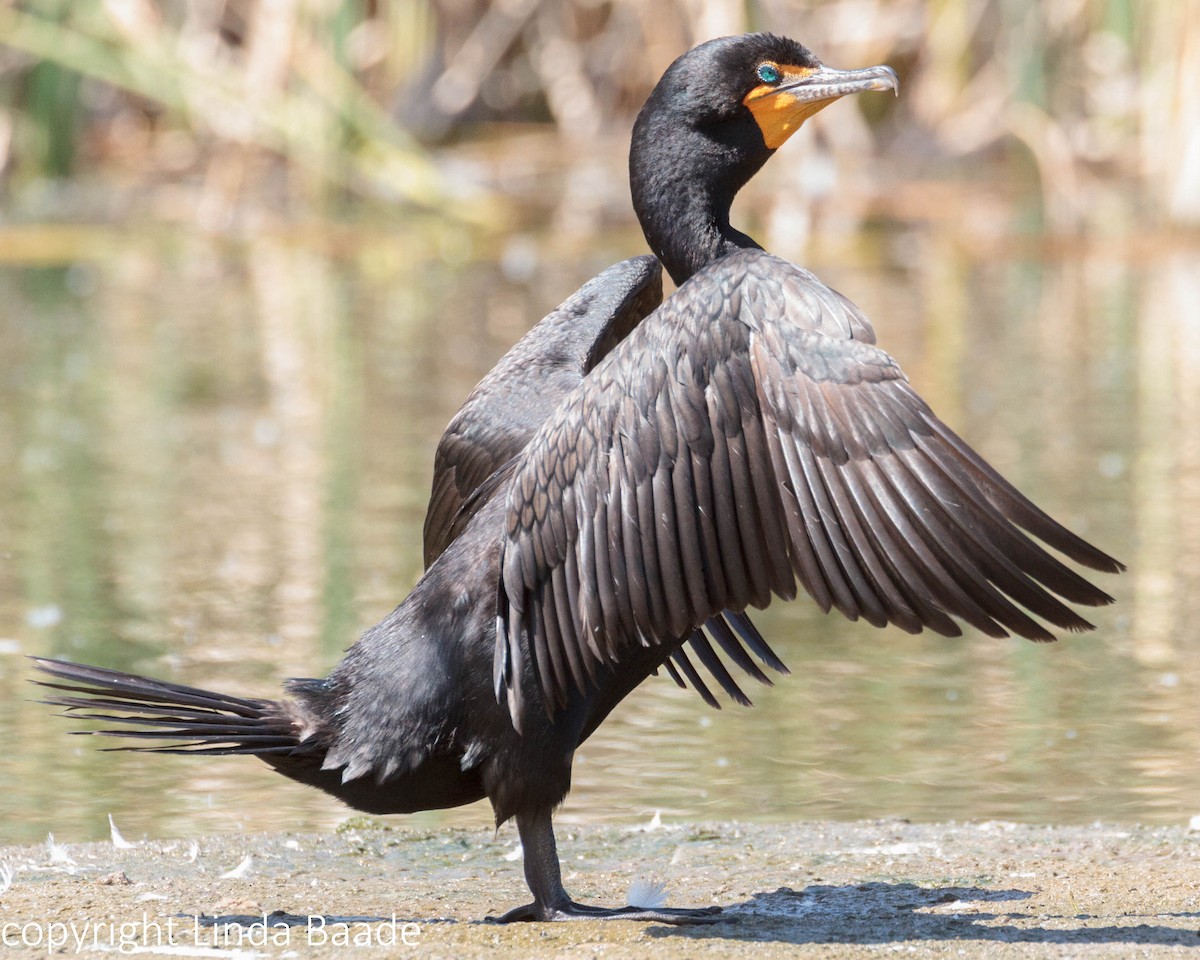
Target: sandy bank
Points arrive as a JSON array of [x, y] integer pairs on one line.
[[797, 890]]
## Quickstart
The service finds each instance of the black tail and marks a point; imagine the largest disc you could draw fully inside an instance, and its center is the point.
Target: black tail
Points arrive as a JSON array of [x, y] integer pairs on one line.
[[199, 721]]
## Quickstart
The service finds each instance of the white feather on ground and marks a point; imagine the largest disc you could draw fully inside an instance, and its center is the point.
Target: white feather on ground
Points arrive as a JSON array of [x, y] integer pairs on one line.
[[57, 852], [647, 893], [118, 841], [240, 870]]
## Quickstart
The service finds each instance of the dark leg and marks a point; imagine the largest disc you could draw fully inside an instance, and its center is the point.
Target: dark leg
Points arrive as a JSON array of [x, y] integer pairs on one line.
[[550, 900]]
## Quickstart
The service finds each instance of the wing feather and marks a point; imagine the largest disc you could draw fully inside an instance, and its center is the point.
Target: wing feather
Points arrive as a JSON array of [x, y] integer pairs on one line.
[[708, 656], [684, 508], [704, 511], [681, 660], [746, 516], [729, 540], [678, 607], [766, 495], [753, 640], [719, 630], [890, 605], [907, 564]]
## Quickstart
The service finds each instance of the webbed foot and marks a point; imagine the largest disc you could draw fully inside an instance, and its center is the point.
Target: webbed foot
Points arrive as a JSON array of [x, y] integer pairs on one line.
[[551, 901], [570, 910]]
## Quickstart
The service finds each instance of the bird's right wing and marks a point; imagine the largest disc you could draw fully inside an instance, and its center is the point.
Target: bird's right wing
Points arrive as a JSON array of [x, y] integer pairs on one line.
[[509, 404], [749, 435]]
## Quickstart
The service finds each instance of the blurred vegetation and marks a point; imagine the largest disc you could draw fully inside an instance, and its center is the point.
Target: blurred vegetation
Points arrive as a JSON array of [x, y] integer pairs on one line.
[[337, 97]]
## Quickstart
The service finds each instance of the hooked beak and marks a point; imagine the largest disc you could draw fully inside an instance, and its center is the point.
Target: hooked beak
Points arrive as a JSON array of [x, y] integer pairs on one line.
[[781, 109], [826, 83]]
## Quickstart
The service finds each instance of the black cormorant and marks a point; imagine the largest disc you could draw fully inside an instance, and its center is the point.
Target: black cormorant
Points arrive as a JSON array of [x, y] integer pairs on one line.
[[625, 477]]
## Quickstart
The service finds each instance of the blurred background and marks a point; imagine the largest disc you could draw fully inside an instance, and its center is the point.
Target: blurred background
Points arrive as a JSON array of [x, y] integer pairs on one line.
[[254, 253]]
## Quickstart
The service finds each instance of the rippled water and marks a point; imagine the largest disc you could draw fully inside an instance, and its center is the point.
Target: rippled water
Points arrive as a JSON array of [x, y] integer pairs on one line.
[[216, 456]]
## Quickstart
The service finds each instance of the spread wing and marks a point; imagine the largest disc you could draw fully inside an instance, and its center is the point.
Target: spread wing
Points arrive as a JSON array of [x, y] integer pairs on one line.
[[749, 436]]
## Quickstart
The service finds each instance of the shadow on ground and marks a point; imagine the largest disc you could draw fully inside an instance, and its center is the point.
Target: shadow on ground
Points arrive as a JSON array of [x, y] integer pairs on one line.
[[875, 913]]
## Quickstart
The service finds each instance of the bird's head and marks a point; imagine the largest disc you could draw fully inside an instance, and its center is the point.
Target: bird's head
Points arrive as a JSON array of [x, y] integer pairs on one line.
[[774, 82], [714, 119]]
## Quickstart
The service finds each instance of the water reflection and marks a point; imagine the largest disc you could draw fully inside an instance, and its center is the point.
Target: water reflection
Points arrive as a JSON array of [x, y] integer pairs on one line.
[[217, 458]]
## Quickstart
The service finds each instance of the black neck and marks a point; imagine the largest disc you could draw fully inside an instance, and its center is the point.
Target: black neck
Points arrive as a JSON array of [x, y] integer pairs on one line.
[[683, 182]]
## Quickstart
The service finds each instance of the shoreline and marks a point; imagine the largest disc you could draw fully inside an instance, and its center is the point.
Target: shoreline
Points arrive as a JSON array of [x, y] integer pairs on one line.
[[828, 889]]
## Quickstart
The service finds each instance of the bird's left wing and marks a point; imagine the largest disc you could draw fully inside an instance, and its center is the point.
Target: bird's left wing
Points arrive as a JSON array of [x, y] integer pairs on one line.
[[749, 435]]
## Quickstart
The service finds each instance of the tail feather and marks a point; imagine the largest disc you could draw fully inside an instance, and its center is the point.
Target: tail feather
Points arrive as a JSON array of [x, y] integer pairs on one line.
[[134, 687], [206, 722]]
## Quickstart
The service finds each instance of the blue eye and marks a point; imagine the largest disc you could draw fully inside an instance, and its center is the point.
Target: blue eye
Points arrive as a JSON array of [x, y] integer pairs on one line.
[[769, 73]]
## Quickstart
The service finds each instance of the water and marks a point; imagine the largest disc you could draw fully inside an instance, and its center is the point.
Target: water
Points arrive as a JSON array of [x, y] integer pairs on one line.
[[216, 456]]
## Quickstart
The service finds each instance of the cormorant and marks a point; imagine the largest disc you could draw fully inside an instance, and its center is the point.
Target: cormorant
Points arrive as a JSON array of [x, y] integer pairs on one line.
[[622, 479]]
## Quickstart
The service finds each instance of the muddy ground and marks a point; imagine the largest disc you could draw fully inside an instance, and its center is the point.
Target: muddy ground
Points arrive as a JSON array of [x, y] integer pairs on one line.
[[813, 889]]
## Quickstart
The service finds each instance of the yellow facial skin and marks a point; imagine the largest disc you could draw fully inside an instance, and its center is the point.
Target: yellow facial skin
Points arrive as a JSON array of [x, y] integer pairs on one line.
[[780, 113]]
